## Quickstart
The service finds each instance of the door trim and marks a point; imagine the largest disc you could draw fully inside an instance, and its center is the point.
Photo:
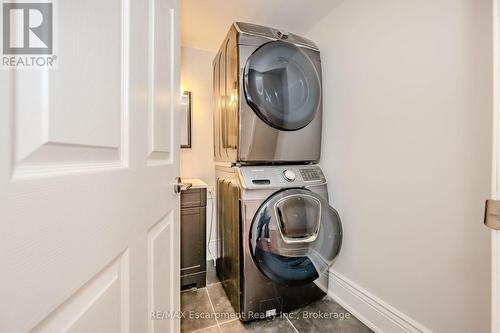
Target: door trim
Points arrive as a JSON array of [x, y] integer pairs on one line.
[[495, 239]]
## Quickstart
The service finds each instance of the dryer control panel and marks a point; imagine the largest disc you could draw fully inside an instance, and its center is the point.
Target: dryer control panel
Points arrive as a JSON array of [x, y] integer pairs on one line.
[[280, 176]]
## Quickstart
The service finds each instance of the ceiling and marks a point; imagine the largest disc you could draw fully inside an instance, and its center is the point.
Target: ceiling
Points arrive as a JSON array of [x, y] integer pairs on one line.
[[204, 23]]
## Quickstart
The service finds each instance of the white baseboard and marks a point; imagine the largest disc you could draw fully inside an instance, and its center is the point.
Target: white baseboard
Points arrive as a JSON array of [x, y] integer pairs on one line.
[[369, 309]]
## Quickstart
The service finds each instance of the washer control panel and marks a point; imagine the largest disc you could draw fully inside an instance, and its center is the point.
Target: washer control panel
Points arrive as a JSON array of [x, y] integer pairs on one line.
[[280, 176]]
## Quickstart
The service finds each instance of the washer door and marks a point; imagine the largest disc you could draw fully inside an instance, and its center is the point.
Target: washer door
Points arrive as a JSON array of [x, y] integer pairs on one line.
[[282, 85], [295, 236]]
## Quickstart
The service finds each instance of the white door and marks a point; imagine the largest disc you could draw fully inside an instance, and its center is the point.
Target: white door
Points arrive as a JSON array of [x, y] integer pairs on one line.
[[89, 222]]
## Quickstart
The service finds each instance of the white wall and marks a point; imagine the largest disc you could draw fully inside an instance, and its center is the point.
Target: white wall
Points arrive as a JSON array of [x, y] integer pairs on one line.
[[197, 162], [406, 149], [196, 76]]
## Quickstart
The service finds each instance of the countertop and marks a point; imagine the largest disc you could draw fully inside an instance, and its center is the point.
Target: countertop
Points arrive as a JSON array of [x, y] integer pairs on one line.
[[197, 183]]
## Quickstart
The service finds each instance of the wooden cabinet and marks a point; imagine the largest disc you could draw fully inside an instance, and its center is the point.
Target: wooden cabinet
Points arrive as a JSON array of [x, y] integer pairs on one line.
[[193, 238]]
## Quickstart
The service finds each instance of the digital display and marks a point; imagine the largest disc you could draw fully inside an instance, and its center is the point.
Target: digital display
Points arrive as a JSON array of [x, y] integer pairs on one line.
[[310, 174]]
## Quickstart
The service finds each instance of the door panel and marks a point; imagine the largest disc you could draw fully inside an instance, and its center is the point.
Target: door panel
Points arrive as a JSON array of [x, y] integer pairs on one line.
[[105, 296], [63, 120], [163, 34], [89, 222], [161, 277], [86, 51]]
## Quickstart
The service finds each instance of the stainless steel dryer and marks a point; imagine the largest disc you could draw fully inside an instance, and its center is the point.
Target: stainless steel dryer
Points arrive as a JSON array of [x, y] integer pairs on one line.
[[278, 237], [267, 95]]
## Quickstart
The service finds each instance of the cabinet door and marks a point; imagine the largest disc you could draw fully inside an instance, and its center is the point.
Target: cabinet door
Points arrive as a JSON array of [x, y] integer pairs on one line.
[[193, 240]]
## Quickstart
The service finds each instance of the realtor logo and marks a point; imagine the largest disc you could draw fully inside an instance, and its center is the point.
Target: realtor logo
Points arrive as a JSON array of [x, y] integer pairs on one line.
[[28, 33], [27, 28]]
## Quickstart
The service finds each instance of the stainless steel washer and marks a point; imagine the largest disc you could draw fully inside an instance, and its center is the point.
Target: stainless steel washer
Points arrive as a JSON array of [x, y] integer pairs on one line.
[[278, 237]]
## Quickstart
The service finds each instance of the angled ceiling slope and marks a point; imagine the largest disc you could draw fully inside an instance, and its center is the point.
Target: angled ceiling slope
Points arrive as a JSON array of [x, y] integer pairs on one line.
[[204, 23]]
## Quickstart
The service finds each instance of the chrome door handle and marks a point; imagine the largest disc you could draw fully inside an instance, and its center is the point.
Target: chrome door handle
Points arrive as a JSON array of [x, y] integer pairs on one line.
[[180, 186]]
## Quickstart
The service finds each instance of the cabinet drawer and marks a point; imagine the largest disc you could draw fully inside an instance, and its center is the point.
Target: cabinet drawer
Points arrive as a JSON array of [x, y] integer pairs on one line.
[[196, 197]]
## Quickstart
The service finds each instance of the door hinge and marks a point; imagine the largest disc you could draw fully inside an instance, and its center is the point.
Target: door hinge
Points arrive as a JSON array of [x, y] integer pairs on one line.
[[492, 214]]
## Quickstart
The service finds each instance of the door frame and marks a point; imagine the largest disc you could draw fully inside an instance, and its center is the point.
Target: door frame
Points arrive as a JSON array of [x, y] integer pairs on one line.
[[495, 186]]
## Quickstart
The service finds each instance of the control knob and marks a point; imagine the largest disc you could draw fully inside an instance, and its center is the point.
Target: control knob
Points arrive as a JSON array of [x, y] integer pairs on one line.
[[289, 175]]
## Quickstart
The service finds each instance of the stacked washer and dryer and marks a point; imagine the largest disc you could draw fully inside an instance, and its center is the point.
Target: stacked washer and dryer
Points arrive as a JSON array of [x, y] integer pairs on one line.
[[278, 234]]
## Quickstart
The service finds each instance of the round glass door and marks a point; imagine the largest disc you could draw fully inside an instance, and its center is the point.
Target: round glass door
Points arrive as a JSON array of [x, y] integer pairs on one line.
[[295, 236], [282, 85]]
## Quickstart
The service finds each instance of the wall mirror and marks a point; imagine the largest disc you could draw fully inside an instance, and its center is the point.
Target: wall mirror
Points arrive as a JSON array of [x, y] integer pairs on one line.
[[186, 119]]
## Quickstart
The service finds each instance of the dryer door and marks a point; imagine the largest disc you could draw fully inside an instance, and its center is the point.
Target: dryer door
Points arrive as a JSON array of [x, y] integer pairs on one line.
[[282, 85], [295, 236]]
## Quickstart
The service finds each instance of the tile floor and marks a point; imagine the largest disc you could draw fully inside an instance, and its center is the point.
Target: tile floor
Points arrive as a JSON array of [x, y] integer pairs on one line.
[[216, 314]]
